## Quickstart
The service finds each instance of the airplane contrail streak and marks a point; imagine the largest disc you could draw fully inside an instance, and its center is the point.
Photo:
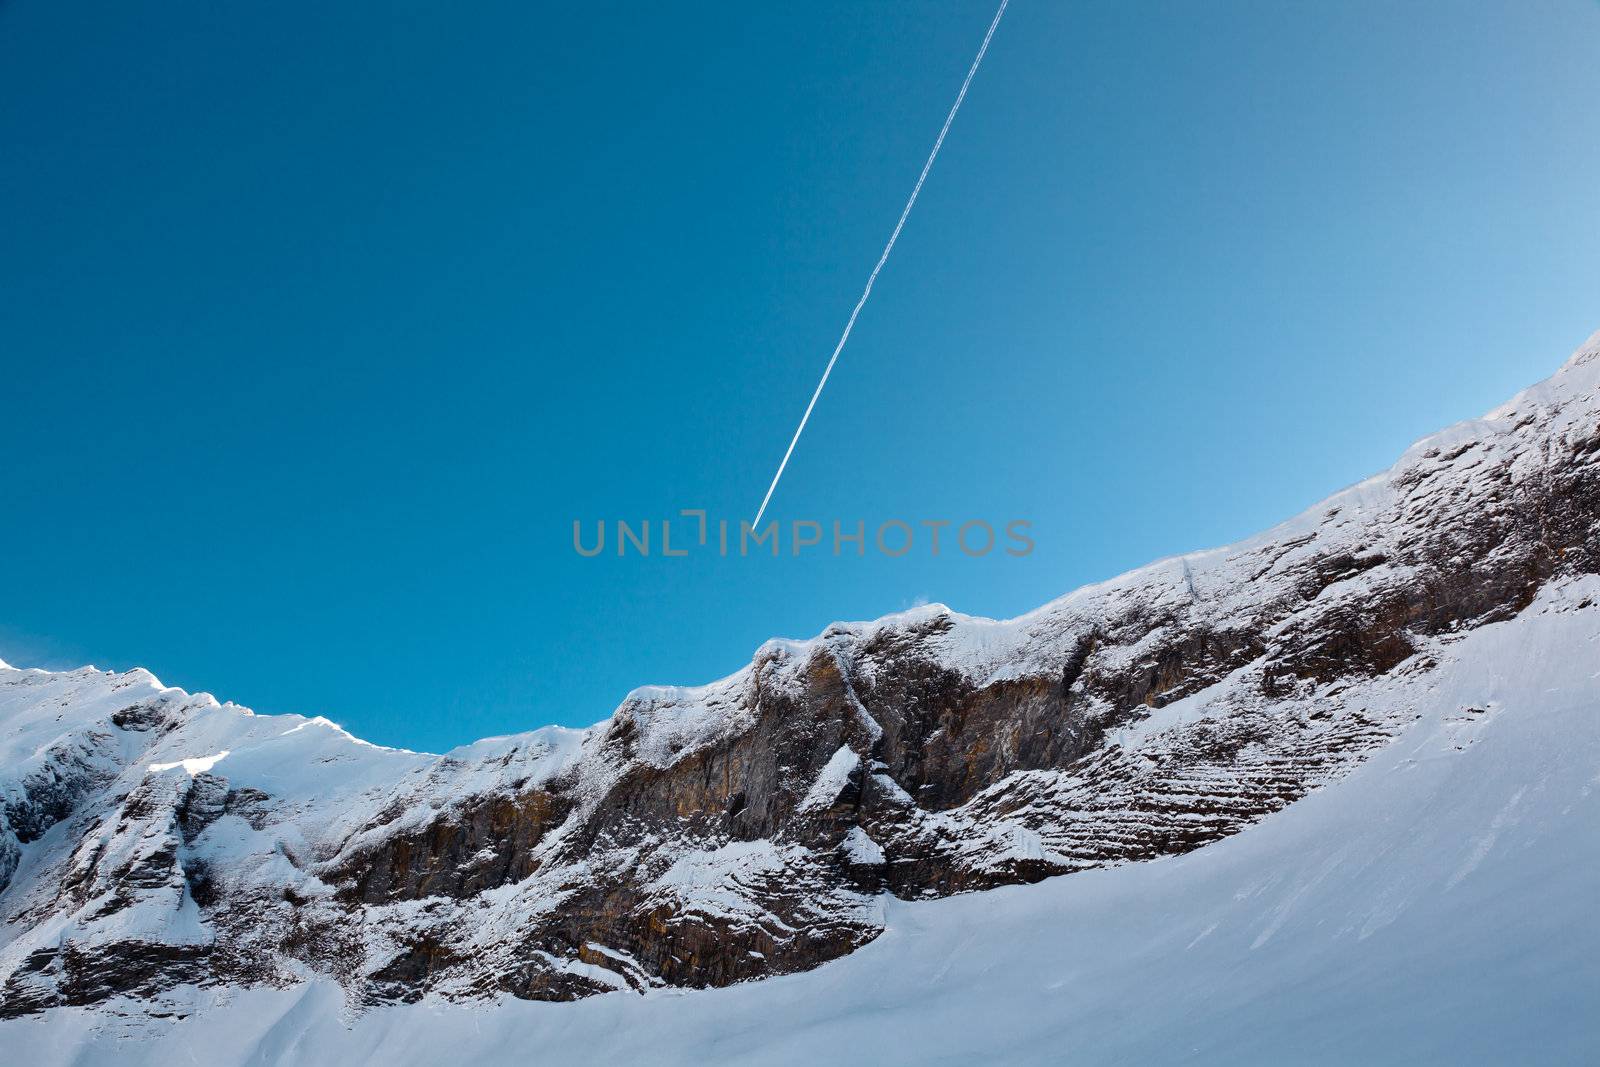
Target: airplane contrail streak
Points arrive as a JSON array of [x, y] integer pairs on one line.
[[873, 277]]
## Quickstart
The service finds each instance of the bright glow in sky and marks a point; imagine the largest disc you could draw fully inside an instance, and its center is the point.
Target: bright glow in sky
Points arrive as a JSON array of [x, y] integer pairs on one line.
[[322, 326]]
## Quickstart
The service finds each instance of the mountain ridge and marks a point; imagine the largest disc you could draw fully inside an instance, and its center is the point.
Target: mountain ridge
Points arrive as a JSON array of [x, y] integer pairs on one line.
[[755, 825], [1434, 906]]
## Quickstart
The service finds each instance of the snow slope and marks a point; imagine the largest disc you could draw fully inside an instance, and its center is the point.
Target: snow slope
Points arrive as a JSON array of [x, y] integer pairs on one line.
[[1437, 905]]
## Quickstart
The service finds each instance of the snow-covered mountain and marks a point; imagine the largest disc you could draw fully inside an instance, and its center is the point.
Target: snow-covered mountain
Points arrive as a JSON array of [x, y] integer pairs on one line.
[[1425, 645]]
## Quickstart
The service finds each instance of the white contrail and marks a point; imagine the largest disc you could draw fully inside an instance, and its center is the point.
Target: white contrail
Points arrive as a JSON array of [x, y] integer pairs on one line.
[[848, 326]]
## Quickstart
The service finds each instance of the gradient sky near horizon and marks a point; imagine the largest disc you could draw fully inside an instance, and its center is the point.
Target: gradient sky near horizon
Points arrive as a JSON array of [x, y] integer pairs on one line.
[[320, 324]]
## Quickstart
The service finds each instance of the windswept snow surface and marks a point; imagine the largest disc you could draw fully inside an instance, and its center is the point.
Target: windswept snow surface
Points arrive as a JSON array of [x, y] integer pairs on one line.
[[1437, 905]]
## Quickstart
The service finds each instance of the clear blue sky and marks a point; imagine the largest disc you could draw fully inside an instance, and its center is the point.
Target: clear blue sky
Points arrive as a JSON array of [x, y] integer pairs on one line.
[[319, 324]]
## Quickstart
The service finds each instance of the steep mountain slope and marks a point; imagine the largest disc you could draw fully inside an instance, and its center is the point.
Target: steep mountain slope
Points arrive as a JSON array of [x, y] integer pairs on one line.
[[161, 847], [1436, 906]]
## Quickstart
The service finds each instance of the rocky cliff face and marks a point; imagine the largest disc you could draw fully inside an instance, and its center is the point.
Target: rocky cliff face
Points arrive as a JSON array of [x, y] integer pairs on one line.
[[152, 841]]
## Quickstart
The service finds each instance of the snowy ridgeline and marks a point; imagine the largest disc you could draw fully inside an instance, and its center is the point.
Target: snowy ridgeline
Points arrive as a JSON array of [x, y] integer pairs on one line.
[[236, 888], [1435, 906]]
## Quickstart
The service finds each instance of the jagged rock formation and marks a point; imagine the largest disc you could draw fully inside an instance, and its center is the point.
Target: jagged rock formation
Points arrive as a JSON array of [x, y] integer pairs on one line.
[[151, 840]]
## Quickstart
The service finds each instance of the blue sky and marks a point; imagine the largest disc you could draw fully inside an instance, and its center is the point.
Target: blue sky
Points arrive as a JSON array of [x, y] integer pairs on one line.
[[319, 327]]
